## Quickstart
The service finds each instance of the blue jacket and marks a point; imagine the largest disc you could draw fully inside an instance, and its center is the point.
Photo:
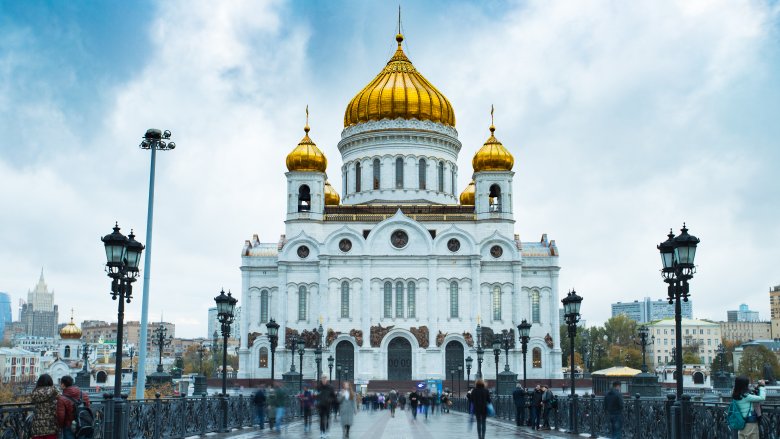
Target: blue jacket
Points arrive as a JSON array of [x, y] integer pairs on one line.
[[746, 403]]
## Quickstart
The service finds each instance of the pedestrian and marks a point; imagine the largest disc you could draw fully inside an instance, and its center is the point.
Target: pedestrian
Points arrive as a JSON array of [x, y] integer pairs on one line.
[[259, 402], [325, 398], [613, 406], [67, 404], [44, 398], [425, 400], [745, 399], [547, 400], [470, 407], [480, 397], [271, 404], [281, 405], [392, 399], [536, 407], [402, 401], [347, 407], [518, 397], [307, 404], [414, 401]]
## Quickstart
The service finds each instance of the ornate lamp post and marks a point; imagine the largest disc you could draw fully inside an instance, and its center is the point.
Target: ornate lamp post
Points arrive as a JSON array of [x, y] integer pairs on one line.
[[154, 140], [123, 253], [318, 353], [452, 380], [293, 343], [496, 354], [677, 256], [507, 341], [524, 332], [469, 361], [226, 305], [161, 339], [480, 352], [301, 350], [131, 352], [214, 350], [460, 378], [644, 339], [201, 350], [571, 309], [330, 366], [273, 338]]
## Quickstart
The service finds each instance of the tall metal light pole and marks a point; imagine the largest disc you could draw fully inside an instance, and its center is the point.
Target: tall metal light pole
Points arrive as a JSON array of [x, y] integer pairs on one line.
[[496, 354], [123, 253], [330, 367], [154, 139], [480, 352], [201, 350], [318, 353], [273, 338], [643, 340], [226, 305], [571, 309], [460, 378], [301, 350], [215, 350], [469, 361], [161, 340], [131, 352], [293, 345], [524, 332]]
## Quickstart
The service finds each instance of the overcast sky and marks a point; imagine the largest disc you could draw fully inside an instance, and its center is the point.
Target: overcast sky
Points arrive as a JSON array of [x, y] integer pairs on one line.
[[625, 119]]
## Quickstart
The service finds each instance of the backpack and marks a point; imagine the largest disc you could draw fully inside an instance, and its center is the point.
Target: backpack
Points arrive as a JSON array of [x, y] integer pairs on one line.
[[84, 422], [554, 402], [734, 417]]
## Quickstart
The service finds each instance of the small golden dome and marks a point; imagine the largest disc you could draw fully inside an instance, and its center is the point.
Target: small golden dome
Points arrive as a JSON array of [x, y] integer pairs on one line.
[[399, 91], [492, 156], [70, 331], [331, 196], [306, 156], [467, 196]]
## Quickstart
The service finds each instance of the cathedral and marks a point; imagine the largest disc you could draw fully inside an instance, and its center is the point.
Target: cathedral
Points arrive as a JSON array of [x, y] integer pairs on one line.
[[394, 276]]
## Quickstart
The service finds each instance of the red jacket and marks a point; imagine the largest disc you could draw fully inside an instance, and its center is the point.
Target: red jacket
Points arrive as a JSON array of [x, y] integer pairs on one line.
[[66, 412]]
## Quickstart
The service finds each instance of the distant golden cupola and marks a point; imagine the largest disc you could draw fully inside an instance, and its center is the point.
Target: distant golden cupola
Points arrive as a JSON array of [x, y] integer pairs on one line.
[[70, 331], [467, 196], [331, 196], [492, 156], [306, 156], [399, 91]]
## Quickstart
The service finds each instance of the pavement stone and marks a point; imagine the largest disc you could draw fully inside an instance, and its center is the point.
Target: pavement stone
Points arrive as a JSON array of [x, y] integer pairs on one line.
[[379, 425]]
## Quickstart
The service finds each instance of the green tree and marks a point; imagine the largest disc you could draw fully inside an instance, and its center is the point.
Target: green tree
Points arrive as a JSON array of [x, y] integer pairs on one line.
[[753, 360], [690, 357], [620, 330]]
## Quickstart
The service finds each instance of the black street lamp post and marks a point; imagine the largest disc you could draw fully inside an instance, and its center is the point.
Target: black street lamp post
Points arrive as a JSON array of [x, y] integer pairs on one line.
[[318, 353], [226, 305], [452, 380], [215, 350], [301, 350], [201, 351], [123, 253], [644, 339], [524, 332], [161, 339], [496, 354], [480, 352], [571, 309], [460, 378], [131, 352], [330, 367], [507, 341], [293, 345], [469, 361], [273, 338]]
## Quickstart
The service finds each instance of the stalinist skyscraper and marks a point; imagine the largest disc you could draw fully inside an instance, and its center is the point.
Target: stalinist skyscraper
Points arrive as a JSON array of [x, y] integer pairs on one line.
[[40, 315]]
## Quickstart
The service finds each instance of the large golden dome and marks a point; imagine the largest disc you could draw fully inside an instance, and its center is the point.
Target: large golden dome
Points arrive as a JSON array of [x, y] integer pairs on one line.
[[306, 156], [70, 331], [492, 156], [399, 91], [468, 194], [331, 196]]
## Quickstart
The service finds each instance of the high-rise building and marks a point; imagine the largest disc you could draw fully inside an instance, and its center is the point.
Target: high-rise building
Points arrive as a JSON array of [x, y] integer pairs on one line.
[[5, 312], [774, 307], [214, 324], [743, 314], [40, 315], [647, 310]]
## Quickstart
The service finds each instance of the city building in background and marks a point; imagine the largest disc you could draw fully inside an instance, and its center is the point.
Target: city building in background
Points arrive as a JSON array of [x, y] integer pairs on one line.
[[19, 365], [6, 316], [214, 324], [771, 344], [104, 333], [647, 310], [699, 336], [743, 314], [40, 316], [745, 331], [774, 307]]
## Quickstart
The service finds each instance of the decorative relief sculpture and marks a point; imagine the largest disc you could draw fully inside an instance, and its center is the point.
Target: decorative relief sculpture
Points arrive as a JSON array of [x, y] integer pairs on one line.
[[252, 337], [357, 334], [469, 339], [421, 334], [487, 337], [289, 333], [312, 338], [377, 334], [440, 338], [548, 340], [331, 336], [398, 123]]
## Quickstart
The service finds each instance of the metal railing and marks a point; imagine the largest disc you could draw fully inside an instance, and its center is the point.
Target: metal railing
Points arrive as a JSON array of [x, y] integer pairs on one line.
[[643, 418]]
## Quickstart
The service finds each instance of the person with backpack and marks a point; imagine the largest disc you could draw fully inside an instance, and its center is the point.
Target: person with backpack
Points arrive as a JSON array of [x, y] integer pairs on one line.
[[480, 397], [547, 406], [44, 398], [74, 415], [259, 401], [613, 406], [392, 399], [742, 402]]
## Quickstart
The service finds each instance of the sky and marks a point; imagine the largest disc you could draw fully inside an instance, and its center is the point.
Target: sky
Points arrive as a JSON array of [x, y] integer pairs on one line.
[[624, 118]]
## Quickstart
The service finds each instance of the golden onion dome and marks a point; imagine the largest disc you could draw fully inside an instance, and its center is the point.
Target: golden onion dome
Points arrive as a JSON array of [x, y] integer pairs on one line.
[[399, 91], [331, 196], [306, 156], [492, 156], [467, 196], [70, 331]]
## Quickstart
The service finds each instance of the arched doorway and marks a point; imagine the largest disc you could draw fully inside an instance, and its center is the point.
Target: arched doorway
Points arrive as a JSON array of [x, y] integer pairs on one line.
[[101, 377], [345, 359], [399, 359], [698, 378], [453, 357]]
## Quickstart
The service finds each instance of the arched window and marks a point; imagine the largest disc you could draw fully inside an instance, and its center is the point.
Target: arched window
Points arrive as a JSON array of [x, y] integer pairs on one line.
[[376, 169], [536, 358], [411, 300], [357, 177], [264, 306], [344, 300], [304, 198], [441, 176], [399, 173], [67, 351], [535, 314], [496, 303], [263, 357], [495, 198], [301, 303], [422, 169], [453, 300], [101, 377], [388, 302], [399, 300], [452, 188]]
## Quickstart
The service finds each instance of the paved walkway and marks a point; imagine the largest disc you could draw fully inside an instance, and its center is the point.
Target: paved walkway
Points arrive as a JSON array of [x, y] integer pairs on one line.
[[379, 425]]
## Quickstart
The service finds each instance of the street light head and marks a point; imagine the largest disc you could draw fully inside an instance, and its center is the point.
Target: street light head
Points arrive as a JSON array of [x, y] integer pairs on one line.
[[496, 344], [167, 134], [469, 362], [115, 244], [685, 248], [666, 249], [273, 328], [153, 134], [171, 145], [301, 344], [226, 304], [330, 361], [524, 330], [133, 252], [571, 307]]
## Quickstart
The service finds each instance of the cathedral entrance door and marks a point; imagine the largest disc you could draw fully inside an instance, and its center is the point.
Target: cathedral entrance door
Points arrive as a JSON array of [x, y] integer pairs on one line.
[[345, 360], [399, 359], [453, 358]]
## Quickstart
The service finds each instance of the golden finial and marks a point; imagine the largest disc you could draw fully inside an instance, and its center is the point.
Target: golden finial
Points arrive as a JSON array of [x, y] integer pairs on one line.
[[399, 36], [478, 319], [71, 315], [306, 128], [320, 319], [492, 127]]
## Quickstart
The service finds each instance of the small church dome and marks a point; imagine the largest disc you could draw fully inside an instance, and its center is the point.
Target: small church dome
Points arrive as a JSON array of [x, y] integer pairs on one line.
[[467, 196], [306, 156], [331, 196], [70, 331], [493, 156]]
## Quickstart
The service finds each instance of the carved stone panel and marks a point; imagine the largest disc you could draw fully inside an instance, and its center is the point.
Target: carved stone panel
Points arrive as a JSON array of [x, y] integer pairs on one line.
[[469, 339], [421, 334], [440, 338], [377, 334], [358, 335], [252, 337]]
